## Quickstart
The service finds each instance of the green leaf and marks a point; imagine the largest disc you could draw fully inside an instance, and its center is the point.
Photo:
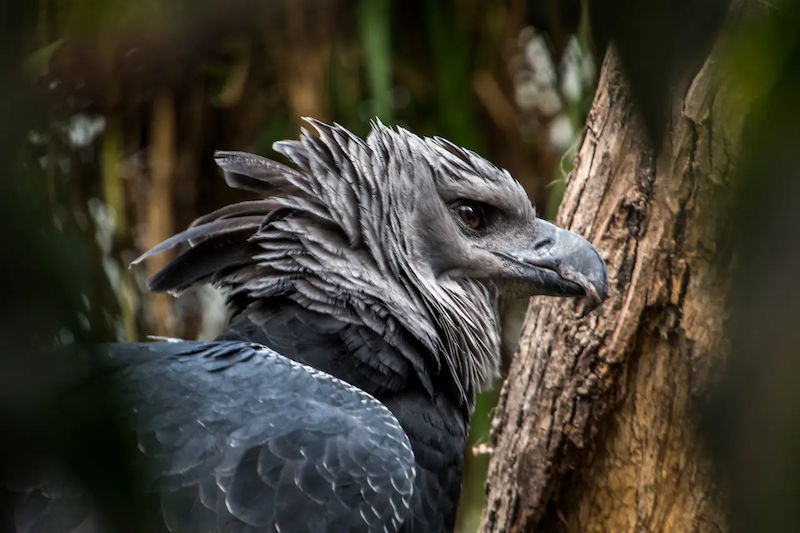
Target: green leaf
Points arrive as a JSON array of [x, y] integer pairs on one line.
[[374, 29], [451, 53], [38, 61]]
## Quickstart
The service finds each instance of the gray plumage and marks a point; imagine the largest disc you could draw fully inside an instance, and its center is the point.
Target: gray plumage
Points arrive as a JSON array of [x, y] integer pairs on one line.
[[250, 461], [380, 263]]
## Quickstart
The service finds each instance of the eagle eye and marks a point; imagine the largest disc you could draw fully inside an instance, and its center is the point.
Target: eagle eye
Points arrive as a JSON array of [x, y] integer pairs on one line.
[[470, 214]]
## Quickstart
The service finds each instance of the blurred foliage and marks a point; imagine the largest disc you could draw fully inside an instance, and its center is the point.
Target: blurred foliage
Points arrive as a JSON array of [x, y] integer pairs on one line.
[[46, 272], [752, 421], [374, 23], [659, 43]]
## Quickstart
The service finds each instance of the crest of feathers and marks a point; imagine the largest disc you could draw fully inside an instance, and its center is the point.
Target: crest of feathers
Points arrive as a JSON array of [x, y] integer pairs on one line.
[[327, 235]]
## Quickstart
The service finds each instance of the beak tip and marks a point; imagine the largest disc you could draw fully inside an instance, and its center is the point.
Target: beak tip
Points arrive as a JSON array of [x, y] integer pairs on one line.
[[594, 282], [586, 309], [595, 296]]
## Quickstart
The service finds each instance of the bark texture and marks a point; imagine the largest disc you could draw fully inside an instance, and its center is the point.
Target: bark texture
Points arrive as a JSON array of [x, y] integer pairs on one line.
[[594, 429]]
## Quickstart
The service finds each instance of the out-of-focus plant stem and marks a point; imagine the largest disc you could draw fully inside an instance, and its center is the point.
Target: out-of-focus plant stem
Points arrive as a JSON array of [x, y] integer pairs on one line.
[[114, 196], [160, 217], [373, 23]]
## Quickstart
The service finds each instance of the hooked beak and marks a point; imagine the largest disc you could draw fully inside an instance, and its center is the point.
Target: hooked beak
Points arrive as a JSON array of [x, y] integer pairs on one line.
[[561, 263]]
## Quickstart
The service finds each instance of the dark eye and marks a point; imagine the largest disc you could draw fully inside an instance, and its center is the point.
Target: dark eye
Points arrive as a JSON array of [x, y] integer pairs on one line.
[[470, 214]]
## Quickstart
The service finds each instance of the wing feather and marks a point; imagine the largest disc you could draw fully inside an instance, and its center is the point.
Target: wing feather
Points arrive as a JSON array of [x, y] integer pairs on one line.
[[233, 436], [210, 258]]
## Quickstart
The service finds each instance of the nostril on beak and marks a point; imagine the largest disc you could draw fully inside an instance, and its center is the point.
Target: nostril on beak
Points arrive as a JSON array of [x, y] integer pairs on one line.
[[544, 243]]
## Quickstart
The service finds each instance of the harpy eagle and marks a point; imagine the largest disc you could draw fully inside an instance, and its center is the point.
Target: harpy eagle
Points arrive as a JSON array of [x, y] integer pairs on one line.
[[365, 289]]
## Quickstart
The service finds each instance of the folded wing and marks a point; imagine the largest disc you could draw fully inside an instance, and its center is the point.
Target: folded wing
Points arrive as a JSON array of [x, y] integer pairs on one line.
[[232, 436]]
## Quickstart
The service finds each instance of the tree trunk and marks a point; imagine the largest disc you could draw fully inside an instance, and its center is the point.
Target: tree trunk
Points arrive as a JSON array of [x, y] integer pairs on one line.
[[594, 428]]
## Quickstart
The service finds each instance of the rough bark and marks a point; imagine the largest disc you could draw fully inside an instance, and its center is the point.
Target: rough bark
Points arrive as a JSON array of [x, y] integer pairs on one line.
[[594, 428]]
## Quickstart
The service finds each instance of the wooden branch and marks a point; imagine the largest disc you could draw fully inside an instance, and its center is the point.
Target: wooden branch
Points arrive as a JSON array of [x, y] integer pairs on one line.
[[593, 430]]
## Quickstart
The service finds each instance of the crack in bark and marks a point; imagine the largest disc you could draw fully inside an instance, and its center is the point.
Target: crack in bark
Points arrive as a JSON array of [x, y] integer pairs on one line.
[[593, 431]]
